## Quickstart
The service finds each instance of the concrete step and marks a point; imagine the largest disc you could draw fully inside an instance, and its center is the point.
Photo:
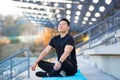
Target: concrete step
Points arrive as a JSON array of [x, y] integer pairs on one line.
[[91, 72]]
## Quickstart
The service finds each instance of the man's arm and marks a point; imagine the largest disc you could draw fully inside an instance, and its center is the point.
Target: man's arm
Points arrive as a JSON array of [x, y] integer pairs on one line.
[[44, 53], [67, 51]]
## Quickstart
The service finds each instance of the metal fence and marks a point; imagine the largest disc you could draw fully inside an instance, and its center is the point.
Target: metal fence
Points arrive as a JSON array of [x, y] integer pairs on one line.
[[99, 32], [15, 64]]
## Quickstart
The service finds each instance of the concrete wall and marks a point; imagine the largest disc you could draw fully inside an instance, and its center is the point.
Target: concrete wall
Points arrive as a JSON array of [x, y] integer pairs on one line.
[[108, 64]]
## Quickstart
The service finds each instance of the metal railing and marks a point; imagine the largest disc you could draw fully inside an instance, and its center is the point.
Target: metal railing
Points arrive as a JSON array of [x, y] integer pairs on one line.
[[15, 64], [98, 31]]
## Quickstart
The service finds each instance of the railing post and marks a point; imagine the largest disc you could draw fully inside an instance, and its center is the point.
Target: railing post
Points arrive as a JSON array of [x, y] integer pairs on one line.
[[11, 70], [28, 63], [115, 37], [89, 34]]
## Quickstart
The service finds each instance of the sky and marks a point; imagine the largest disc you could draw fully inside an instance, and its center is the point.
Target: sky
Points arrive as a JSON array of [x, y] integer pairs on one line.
[[7, 8]]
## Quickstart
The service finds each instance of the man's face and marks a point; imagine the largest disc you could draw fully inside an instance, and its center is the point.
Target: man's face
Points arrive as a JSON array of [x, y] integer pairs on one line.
[[62, 26]]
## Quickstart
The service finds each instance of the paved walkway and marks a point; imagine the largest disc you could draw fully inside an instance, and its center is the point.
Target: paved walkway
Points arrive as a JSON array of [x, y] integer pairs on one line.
[[89, 71]]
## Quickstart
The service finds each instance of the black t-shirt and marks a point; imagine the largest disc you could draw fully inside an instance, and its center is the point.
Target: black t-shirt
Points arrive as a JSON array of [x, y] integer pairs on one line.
[[59, 44]]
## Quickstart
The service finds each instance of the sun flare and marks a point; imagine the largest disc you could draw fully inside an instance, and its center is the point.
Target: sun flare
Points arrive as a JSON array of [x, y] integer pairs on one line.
[[7, 8]]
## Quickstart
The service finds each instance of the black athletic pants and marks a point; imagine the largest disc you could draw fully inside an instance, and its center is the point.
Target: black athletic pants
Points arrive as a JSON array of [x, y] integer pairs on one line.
[[67, 66]]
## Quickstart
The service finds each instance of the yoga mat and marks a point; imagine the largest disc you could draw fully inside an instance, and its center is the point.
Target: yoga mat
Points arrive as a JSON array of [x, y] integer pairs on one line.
[[77, 76]]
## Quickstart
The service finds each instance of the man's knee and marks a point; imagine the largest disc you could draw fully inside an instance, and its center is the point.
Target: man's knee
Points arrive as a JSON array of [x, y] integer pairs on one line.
[[40, 63]]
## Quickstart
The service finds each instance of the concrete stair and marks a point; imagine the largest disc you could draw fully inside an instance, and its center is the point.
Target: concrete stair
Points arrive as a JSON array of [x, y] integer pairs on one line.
[[91, 72]]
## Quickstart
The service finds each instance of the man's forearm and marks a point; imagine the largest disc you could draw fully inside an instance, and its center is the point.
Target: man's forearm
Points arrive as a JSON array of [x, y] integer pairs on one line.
[[44, 53], [64, 57], [67, 51], [41, 56]]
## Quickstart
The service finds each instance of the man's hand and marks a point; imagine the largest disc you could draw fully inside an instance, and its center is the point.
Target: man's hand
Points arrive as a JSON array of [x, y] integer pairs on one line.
[[33, 68], [57, 65]]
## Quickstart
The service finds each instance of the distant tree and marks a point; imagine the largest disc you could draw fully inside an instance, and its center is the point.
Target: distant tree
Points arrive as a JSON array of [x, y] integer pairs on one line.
[[8, 21], [9, 26], [15, 26], [27, 28]]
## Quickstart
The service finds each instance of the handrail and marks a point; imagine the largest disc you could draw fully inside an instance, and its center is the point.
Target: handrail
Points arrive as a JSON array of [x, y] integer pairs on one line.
[[18, 52], [96, 25], [111, 22], [15, 64]]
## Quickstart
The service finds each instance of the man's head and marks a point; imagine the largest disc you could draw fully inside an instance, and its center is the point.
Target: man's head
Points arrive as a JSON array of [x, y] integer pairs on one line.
[[64, 19], [63, 25]]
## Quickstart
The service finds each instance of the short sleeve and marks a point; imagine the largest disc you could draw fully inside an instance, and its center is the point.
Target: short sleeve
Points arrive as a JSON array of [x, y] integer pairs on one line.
[[51, 43], [70, 41]]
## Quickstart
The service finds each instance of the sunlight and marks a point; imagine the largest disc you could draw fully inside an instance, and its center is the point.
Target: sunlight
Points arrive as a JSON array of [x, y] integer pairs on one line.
[[7, 8]]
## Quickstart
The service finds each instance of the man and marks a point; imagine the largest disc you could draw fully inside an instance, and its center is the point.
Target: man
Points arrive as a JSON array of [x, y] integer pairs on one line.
[[65, 50]]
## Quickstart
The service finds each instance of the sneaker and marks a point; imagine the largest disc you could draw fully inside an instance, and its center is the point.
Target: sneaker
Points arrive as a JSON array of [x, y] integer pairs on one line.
[[41, 74]]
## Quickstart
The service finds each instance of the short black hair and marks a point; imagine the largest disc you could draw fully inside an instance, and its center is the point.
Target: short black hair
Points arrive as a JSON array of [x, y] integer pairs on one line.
[[64, 19]]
